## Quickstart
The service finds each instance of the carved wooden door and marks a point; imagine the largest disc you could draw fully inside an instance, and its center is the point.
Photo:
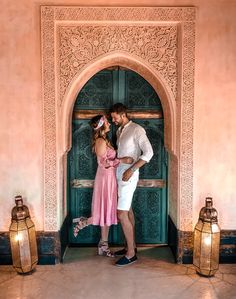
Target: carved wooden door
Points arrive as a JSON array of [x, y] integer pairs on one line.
[[150, 199]]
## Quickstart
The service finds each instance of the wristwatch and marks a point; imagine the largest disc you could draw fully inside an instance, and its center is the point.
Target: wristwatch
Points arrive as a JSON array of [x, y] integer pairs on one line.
[[133, 168]]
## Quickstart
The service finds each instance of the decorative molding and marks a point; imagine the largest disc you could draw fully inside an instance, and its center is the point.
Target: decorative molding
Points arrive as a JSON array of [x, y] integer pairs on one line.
[[79, 45], [187, 114], [134, 14], [73, 36], [49, 118]]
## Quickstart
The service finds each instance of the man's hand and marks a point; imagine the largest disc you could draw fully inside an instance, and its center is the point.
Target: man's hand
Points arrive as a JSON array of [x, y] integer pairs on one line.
[[127, 175], [127, 160], [129, 172]]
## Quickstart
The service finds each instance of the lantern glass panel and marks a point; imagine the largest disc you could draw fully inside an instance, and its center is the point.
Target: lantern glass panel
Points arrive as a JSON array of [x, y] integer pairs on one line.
[[215, 251], [199, 225], [215, 228], [24, 248], [197, 246], [205, 250]]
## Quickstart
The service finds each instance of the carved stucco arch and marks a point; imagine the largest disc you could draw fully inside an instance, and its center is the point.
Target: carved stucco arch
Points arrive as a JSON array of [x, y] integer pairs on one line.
[[133, 63], [163, 37]]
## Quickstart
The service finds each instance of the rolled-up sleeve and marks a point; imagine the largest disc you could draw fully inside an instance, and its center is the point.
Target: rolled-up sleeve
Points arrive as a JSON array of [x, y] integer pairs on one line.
[[144, 144]]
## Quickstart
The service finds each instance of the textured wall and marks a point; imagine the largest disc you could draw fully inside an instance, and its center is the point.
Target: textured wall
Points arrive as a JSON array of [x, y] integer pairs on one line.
[[21, 126]]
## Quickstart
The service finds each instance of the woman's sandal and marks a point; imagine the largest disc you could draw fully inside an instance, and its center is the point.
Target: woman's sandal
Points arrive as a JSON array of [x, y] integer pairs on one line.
[[81, 223], [103, 249]]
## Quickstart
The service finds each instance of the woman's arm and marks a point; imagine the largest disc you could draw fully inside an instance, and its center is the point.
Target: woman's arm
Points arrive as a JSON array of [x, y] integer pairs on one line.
[[100, 147]]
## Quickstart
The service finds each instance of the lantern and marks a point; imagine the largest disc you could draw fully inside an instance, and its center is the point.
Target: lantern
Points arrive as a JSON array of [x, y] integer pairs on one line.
[[206, 241], [22, 238]]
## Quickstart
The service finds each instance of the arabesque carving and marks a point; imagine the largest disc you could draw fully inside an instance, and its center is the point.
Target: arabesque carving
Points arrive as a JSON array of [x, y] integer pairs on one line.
[[81, 44], [134, 14]]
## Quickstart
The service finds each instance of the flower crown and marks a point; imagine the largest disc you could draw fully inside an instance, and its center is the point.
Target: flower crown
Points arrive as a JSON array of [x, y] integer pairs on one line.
[[100, 123]]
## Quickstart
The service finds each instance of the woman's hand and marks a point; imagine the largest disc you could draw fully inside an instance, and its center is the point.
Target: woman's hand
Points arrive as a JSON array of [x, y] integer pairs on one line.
[[127, 160]]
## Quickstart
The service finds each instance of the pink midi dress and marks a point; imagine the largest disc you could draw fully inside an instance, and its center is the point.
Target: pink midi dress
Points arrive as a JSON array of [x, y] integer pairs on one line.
[[104, 201]]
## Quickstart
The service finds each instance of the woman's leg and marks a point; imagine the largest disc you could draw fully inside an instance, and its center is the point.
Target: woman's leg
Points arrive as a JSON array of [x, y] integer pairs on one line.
[[105, 233], [103, 248]]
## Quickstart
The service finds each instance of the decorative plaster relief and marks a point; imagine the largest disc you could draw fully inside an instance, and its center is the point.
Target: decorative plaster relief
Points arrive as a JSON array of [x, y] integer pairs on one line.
[[49, 115], [139, 14], [185, 116], [72, 36], [155, 44]]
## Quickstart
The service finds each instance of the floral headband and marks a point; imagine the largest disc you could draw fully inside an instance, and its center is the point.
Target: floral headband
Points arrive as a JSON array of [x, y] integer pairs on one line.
[[100, 123]]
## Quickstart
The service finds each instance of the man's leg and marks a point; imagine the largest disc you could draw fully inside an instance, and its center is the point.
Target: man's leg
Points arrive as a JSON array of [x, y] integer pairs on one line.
[[128, 230], [125, 213], [132, 220]]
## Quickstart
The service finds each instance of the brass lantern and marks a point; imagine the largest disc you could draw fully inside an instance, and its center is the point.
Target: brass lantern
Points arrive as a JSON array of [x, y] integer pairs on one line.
[[22, 238], [206, 241]]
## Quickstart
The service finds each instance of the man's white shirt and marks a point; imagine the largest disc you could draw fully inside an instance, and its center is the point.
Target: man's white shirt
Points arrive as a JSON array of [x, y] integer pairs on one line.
[[132, 141]]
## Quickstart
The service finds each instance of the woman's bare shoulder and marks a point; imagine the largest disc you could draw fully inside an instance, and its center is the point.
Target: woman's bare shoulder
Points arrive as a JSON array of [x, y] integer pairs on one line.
[[100, 142], [100, 146]]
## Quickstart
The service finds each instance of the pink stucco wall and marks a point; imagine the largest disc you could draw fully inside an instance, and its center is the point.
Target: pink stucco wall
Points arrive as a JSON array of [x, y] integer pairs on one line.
[[21, 125], [215, 106]]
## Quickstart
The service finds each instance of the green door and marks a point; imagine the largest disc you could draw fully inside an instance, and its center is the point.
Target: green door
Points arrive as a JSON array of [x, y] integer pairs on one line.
[[150, 199]]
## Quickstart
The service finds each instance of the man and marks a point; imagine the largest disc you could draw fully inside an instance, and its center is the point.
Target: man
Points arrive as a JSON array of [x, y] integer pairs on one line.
[[132, 142]]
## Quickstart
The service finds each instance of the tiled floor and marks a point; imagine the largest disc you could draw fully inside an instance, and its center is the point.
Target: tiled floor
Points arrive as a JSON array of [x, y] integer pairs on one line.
[[86, 275]]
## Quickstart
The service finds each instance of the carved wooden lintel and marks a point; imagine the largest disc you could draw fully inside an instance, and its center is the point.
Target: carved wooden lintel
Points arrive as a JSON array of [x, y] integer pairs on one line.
[[151, 183], [141, 183], [88, 114]]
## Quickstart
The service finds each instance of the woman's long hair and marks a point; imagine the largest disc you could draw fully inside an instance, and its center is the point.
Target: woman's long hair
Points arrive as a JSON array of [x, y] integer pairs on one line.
[[98, 133]]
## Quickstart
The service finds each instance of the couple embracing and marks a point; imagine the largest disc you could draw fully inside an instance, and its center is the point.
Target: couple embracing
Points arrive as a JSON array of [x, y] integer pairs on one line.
[[116, 180]]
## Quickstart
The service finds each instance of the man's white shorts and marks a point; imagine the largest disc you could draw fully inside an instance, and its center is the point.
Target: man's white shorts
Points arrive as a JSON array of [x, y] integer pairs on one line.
[[126, 189]]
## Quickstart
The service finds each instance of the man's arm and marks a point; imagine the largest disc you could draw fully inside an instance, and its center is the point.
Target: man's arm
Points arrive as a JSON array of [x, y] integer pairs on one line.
[[129, 172], [147, 153], [144, 145]]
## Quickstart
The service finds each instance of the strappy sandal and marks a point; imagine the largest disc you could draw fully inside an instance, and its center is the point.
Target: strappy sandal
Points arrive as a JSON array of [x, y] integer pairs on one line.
[[103, 249], [81, 223]]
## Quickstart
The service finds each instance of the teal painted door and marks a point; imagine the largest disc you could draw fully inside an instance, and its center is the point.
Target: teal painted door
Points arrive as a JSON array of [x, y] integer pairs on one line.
[[150, 199]]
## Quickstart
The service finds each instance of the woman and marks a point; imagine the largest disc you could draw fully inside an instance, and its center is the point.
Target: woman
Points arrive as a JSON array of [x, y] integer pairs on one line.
[[104, 200]]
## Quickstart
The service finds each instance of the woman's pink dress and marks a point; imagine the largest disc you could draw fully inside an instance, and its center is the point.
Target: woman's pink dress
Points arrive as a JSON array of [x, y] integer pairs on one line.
[[104, 201]]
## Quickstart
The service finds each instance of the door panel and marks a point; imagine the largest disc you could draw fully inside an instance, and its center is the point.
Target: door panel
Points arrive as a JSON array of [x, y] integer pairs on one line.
[[82, 167], [82, 160], [150, 202], [81, 203], [148, 208], [154, 130], [139, 93], [97, 92]]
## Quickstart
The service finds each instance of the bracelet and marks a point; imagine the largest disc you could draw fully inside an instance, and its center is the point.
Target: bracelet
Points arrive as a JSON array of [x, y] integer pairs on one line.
[[133, 169]]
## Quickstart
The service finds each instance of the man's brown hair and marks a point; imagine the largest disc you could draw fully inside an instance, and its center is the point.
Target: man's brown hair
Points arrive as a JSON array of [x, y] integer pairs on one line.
[[119, 108]]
